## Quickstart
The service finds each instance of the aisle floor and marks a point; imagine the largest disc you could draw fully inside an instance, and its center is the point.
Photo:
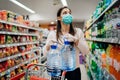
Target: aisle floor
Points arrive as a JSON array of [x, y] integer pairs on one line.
[[83, 72]]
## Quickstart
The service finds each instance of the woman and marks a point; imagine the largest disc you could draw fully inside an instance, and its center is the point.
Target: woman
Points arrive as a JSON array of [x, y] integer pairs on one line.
[[74, 35]]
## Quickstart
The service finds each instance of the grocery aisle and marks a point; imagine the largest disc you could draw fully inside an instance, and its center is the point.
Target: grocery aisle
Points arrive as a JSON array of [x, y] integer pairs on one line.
[[23, 34]]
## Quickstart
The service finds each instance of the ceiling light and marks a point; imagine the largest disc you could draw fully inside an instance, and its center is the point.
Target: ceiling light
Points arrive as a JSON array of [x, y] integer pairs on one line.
[[52, 23], [22, 6], [64, 2]]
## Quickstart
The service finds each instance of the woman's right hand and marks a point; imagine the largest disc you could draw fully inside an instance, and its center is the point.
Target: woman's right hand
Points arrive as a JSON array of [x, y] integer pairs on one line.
[[50, 42]]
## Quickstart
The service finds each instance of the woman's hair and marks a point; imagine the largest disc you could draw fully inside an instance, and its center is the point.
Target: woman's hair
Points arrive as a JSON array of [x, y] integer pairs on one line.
[[71, 31]]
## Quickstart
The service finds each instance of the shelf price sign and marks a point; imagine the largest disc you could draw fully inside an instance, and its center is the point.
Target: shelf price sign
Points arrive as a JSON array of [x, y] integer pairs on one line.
[[2, 73]]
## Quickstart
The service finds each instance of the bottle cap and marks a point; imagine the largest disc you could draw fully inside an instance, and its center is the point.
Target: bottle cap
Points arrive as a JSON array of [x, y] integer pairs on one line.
[[53, 46], [66, 42]]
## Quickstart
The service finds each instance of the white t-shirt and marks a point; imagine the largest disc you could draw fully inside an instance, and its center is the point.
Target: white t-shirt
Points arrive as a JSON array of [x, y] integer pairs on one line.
[[81, 47]]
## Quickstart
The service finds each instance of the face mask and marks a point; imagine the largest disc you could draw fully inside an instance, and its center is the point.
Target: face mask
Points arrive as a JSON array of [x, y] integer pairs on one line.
[[67, 19]]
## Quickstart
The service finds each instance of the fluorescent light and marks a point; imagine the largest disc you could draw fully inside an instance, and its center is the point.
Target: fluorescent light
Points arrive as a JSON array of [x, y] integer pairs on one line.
[[22, 6], [64, 2], [52, 23]]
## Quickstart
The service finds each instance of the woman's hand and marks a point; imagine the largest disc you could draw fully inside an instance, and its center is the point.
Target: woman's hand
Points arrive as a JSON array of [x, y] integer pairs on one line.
[[71, 38]]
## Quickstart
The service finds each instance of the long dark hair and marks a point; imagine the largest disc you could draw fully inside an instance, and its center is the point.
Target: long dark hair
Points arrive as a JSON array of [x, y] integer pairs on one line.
[[71, 31]]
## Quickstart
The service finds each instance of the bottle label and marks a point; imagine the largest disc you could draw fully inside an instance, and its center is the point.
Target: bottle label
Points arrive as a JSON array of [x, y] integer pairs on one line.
[[109, 60], [116, 65]]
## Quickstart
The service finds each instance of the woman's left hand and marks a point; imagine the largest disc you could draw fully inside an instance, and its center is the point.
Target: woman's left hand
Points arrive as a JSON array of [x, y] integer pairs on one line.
[[71, 38]]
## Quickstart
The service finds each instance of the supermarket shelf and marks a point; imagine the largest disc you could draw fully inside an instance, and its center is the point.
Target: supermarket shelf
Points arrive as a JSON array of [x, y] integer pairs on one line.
[[90, 70], [17, 44], [93, 75], [13, 68], [20, 25], [114, 1], [112, 41], [16, 33], [19, 54], [110, 76], [18, 76]]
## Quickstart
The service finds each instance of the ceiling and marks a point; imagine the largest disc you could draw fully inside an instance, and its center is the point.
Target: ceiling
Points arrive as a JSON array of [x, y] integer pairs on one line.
[[81, 9]]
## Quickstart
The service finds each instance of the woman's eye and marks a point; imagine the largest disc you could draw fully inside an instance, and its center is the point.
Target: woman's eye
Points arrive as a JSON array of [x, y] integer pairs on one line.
[[64, 12]]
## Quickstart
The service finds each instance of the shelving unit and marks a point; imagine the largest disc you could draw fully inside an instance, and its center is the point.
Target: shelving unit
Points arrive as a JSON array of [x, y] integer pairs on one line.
[[111, 41], [88, 65], [27, 41], [13, 68], [18, 44], [105, 72], [16, 33], [20, 25], [114, 1], [102, 43], [19, 54]]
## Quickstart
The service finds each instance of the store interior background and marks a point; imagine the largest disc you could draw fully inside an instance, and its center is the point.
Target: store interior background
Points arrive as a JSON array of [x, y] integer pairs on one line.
[[100, 22], [46, 10]]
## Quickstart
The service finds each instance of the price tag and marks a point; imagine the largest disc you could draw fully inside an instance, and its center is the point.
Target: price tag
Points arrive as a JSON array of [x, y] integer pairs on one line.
[[8, 58], [3, 73], [108, 40], [114, 63], [112, 40], [108, 76], [119, 42], [103, 39], [104, 72], [100, 39]]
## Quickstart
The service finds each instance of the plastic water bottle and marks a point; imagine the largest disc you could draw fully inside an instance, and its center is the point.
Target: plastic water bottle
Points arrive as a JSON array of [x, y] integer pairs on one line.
[[53, 61], [68, 56]]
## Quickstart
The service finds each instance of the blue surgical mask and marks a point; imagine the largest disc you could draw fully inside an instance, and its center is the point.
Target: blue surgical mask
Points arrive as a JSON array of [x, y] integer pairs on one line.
[[67, 19]]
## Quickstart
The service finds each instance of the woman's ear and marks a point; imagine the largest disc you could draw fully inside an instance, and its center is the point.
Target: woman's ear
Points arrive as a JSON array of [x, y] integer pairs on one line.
[[59, 18]]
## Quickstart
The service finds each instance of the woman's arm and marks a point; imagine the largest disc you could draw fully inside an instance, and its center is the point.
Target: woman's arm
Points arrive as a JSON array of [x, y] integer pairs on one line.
[[81, 42], [50, 38]]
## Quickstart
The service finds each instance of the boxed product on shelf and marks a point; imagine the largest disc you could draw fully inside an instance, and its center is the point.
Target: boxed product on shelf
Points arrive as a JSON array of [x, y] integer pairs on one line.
[[16, 18], [14, 32], [2, 39], [10, 16], [12, 73], [109, 58], [14, 28], [4, 78], [2, 68], [1, 53], [9, 39], [23, 39], [1, 26], [3, 15]]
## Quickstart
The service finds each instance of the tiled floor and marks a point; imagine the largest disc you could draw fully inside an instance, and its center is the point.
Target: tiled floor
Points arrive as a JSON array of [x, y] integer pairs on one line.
[[83, 72]]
